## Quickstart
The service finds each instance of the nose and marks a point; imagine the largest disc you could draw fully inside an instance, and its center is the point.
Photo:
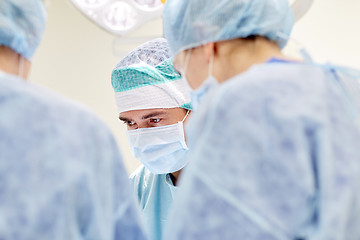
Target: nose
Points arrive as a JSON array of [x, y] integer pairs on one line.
[[141, 125]]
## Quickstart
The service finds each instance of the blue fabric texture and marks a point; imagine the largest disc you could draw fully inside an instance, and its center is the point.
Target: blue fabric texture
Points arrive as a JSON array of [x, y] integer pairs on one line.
[[61, 174], [22, 24], [155, 193], [274, 155], [192, 23]]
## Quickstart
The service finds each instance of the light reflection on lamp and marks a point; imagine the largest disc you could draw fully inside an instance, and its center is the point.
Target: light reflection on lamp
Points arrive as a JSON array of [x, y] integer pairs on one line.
[[119, 16]]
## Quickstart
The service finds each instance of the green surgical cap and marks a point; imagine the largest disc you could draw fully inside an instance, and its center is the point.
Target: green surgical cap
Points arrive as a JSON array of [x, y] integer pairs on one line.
[[141, 82], [141, 75]]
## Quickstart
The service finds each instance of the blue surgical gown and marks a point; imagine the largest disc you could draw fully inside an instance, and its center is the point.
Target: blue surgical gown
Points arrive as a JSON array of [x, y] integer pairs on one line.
[[155, 193], [274, 156], [61, 174]]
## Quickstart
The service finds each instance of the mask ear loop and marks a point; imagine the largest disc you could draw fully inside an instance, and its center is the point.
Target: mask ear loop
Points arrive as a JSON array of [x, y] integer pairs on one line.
[[181, 130], [187, 114]]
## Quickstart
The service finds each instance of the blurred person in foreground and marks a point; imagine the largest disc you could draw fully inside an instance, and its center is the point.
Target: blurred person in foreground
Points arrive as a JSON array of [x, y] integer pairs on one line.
[[274, 142], [61, 174]]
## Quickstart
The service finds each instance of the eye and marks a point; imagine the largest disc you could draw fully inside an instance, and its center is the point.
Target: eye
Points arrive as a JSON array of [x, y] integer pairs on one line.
[[129, 123], [155, 120]]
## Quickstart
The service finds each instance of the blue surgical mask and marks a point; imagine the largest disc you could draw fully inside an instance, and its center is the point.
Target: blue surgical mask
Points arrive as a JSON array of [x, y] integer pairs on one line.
[[209, 85], [161, 149]]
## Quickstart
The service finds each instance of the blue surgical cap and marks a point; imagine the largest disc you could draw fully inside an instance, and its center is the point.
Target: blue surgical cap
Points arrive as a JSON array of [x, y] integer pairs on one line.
[[22, 24], [192, 23]]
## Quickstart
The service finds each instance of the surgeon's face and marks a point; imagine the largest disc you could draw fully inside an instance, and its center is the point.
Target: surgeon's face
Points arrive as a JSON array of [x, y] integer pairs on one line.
[[193, 65], [152, 117]]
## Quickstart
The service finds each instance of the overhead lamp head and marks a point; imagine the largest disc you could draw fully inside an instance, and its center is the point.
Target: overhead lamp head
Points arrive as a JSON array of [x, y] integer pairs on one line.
[[123, 16], [119, 16]]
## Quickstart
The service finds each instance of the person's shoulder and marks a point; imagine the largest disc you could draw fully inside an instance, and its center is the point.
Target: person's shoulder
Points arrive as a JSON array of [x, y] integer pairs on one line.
[[268, 81], [263, 89], [141, 174], [49, 104], [141, 179], [53, 99], [137, 173], [272, 74], [63, 120]]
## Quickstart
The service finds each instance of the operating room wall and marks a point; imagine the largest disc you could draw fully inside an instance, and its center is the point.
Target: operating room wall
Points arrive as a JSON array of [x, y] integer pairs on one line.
[[76, 57]]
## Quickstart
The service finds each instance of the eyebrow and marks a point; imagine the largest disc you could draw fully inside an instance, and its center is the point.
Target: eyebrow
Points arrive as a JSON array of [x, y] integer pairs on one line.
[[153, 114], [124, 119]]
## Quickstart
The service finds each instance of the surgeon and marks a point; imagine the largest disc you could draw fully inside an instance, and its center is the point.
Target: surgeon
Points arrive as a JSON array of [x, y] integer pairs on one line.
[[153, 101], [274, 141], [61, 174]]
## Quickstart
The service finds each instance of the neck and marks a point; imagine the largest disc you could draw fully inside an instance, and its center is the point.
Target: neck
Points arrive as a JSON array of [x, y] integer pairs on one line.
[[11, 62], [237, 56], [175, 176]]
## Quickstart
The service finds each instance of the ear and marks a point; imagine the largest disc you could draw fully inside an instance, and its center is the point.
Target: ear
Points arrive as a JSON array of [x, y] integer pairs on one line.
[[210, 49]]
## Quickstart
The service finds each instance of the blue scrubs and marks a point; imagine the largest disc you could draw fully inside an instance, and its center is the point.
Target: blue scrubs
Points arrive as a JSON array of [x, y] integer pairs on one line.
[[155, 193], [61, 174], [274, 154]]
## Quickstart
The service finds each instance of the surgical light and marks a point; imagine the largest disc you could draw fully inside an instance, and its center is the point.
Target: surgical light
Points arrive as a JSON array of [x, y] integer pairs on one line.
[[122, 16], [92, 3], [150, 4], [119, 16]]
